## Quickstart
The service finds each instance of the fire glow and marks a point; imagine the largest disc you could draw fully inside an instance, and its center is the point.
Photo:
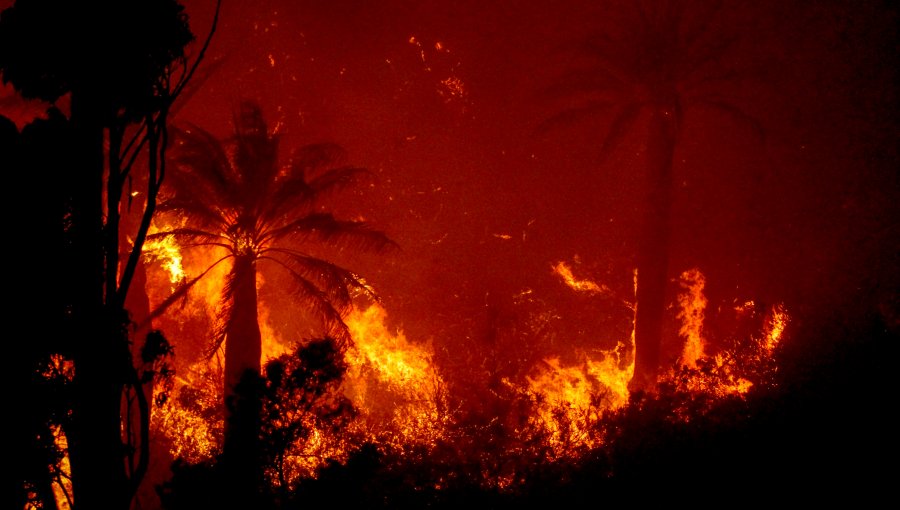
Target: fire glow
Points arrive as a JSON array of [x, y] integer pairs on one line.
[[402, 397]]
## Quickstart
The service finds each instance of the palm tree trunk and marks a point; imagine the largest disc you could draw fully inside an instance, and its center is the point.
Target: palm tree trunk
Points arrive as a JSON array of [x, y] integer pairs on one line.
[[243, 348], [243, 341], [653, 255]]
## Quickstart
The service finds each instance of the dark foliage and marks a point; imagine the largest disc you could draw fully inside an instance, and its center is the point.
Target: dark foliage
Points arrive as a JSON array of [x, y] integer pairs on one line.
[[299, 392], [103, 49], [122, 64], [822, 437]]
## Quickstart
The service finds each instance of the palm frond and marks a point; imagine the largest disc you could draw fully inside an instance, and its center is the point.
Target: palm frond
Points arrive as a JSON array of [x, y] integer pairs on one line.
[[573, 116], [696, 27], [337, 179], [309, 159], [291, 195], [582, 81], [709, 54], [179, 293], [255, 159], [733, 113], [297, 195], [318, 301], [188, 235], [620, 127], [605, 57], [201, 212], [324, 228], [198, 153], [698, 80], [335, 281]]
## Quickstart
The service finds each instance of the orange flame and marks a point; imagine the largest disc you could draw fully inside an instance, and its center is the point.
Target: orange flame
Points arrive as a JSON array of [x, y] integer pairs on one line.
[[401, 396], [565, 272], [692, 304], [571, 399], [190, 419], [728, 372], [776, 321], [62, 483], [167, 252], [394, 382]]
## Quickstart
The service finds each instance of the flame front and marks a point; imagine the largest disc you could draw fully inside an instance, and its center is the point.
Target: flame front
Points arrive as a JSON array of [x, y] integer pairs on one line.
[[692, 303], [394, 382], [167, 252], [401, 399], [571, 400], [776, 321]]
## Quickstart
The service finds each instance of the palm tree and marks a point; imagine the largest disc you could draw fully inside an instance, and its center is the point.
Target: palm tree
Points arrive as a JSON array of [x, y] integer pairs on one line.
[[663, 60], [236, 197]]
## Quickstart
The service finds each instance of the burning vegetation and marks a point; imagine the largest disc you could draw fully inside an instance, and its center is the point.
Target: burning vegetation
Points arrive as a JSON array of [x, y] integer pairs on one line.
[[389, 392], [591, 290]]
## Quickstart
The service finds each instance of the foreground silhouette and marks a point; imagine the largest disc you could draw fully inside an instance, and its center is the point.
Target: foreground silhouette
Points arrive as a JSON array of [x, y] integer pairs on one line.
[[120, 83]]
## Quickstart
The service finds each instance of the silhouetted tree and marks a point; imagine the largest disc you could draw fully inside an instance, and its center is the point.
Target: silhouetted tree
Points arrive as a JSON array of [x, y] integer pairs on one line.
[[237, 197], [42, 381], [302, 394], [122, 64], [664, 59], [299, 394]]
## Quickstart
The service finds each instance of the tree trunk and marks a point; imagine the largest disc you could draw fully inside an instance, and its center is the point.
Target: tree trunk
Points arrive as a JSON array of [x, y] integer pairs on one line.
[[243, 341], [95, 442], [137, 302], [653, 254], [243, 348]]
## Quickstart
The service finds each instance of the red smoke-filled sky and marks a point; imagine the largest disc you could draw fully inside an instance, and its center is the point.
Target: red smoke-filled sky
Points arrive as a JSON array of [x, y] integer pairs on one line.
[[444, 102]]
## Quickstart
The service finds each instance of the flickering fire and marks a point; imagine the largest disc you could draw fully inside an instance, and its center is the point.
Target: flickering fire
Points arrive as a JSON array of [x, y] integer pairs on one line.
[[168, 253], [564, 271], [394, 382], [190, 420], [776, 321], [62, 481], [570, 400], [692, 303], [401, 396], [729, 372]]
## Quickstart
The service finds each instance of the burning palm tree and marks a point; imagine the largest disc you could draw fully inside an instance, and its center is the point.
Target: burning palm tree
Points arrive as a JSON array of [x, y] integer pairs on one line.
[[664, 59], [236, 197]]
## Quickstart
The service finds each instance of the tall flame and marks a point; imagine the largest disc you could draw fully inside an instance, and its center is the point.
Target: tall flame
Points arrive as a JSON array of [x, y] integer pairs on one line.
[[776, 321], [729, 372], [401, 397], [167, 252], [570, 400], [394, 382], [692, 303]]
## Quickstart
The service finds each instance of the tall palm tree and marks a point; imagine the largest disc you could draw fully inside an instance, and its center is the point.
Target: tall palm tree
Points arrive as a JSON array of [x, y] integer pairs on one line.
[[662, 59], [237, 197]]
